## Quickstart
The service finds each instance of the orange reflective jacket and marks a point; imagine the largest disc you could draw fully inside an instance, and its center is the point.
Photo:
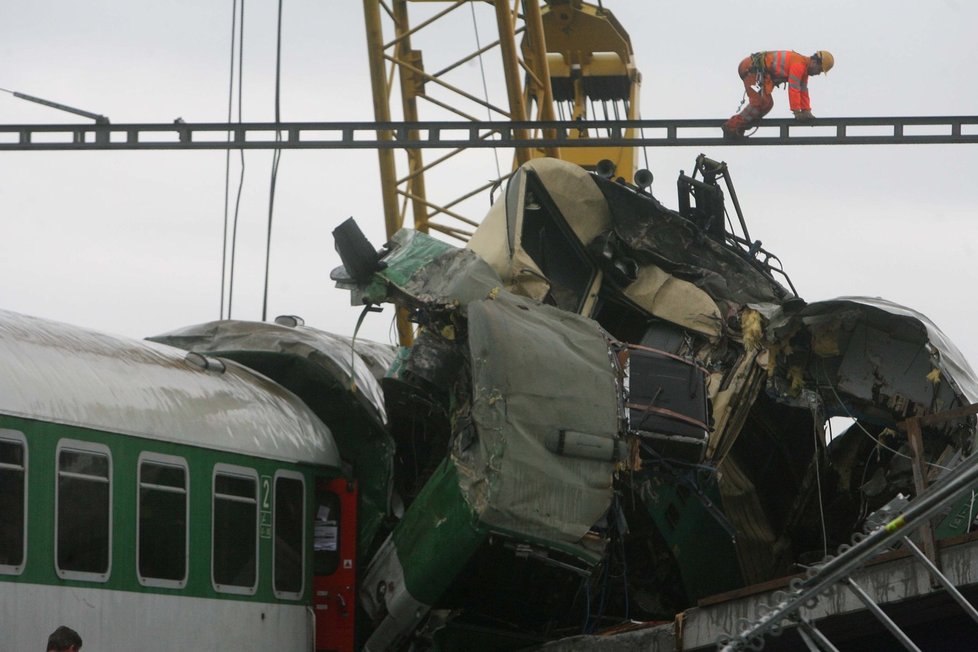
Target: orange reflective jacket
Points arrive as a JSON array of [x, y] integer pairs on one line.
[[789, 66]]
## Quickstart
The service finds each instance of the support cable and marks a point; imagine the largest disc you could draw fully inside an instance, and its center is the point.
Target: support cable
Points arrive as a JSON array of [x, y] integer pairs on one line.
[[877, 440], [645, 149], [485, 86]]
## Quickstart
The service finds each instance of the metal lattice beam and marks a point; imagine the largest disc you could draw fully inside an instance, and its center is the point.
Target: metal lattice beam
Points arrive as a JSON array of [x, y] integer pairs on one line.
[[448, 135]]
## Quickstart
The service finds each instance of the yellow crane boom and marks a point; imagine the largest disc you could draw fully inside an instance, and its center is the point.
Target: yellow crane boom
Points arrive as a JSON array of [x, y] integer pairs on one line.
[[574, 60]]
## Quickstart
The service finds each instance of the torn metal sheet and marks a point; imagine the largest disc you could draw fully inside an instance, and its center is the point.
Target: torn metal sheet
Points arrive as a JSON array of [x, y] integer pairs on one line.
[[653, 234], [939, 348], [538, 372], [557, 356], [425, 270], [870, 354], [868, 359]]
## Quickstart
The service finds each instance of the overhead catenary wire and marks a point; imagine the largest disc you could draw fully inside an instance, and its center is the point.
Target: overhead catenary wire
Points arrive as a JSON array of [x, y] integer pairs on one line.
[[227, 160], [237, 203], [276, 157]]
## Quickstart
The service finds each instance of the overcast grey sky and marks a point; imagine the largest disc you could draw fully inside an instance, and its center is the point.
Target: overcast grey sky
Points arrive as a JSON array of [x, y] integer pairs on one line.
[[130, 242]]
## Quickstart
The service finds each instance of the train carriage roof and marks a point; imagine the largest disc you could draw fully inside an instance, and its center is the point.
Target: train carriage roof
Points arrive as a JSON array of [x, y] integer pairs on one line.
[[65, 374]]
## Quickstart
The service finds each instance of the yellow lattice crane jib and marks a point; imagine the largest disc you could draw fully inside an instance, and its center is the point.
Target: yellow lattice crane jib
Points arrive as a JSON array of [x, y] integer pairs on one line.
[[562, 59]]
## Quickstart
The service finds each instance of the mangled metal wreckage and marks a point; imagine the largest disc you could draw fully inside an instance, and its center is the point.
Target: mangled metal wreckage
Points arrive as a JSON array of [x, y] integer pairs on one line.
[[613, 409]]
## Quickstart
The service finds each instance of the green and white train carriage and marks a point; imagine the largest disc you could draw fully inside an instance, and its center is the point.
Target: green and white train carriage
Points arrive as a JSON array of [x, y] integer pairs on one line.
[[157, 499]]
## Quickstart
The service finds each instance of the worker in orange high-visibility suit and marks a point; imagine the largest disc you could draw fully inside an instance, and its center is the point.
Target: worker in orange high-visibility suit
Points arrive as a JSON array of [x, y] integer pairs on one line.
[[762, 71]]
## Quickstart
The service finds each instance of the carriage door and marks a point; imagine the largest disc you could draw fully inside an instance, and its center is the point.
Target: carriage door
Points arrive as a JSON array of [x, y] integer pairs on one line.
[[334, 569]]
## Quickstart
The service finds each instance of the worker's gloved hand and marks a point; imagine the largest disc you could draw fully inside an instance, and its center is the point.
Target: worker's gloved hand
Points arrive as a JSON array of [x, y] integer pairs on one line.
[[804, 116]]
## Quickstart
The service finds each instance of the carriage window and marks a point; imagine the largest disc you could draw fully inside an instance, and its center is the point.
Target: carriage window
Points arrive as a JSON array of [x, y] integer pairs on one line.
[[289, 548], [13, 496], [162, 521], [235, 530], [84, 507]]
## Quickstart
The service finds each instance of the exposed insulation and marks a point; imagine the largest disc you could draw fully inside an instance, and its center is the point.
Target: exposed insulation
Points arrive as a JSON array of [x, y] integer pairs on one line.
[[752, 327], [825, 339]]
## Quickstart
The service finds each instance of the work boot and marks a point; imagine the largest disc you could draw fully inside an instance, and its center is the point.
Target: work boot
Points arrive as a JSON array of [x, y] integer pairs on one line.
[[732, 133]]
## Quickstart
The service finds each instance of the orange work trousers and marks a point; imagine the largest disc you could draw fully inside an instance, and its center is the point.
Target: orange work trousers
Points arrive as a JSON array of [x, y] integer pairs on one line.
[[759, 103]]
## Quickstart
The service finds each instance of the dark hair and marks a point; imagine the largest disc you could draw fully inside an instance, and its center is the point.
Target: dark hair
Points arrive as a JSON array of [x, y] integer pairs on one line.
[[63, 638]]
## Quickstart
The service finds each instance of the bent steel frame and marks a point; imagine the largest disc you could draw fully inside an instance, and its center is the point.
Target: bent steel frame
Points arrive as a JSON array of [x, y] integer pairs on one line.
[[836, 571]]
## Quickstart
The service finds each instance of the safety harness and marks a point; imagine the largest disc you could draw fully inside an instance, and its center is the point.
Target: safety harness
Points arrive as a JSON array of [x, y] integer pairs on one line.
[[757, 63]]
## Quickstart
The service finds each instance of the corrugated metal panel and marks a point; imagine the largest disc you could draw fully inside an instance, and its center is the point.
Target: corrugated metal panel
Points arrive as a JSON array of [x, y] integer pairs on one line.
[[65, 374]]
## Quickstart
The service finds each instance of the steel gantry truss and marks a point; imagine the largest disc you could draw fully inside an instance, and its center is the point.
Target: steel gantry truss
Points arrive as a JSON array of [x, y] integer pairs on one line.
[[483, 134]]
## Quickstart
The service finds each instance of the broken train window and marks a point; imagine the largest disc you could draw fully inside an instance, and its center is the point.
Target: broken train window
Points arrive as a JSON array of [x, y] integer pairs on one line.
[[549, 241]]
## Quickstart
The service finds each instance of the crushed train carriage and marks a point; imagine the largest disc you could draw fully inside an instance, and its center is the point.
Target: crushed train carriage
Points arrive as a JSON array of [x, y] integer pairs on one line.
[[613, 409]]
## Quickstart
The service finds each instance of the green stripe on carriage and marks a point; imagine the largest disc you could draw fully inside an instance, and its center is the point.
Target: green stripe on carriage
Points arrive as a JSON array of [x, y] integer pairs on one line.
[[42, 441]]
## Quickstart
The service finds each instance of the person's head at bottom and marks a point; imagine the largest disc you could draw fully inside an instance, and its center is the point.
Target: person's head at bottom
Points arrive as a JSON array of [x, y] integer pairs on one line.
[[64, 639]]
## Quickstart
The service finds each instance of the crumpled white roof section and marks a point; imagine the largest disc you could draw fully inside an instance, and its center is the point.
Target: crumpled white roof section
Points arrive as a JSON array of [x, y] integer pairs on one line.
[[949, 358], [65, 374], [334, 353]]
